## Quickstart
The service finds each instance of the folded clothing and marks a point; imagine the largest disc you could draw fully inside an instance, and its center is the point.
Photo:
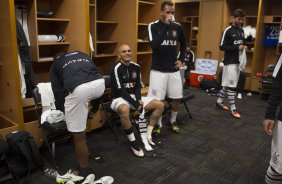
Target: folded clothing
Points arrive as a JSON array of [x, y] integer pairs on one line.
[[52, 116]]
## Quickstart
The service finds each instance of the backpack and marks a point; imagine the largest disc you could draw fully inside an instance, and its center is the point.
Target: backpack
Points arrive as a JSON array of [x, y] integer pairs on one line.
[[208, 84], [24, 156]]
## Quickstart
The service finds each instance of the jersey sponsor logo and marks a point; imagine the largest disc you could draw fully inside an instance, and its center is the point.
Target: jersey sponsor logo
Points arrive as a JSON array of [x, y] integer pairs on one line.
[[134, 75], [75, 61], [154, 92], [169, 42], [129, 85], [238, 42], [275, 158], [174, 33], [200, 77]]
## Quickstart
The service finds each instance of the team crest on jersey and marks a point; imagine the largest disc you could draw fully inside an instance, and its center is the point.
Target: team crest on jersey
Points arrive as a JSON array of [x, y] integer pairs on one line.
[[134, 75], [231, 82], [275, 158], [174, 33], [154, 92]]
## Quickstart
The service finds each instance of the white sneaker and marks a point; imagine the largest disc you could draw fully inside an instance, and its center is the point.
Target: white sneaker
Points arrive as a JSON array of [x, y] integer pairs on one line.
[[239, 96], [89, 179], [249, 94], [70, 182], [104, 180], [69, 176]]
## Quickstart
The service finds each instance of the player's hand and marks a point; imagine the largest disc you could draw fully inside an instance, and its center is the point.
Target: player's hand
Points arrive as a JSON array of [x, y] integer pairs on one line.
[[169, 19], [268, 126], [246, 47], [241, 47], [141, 103], [178, 64]]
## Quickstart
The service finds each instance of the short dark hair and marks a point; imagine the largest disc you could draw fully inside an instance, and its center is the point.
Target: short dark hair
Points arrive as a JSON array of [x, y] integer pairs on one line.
[[166, 3], [239, 13]]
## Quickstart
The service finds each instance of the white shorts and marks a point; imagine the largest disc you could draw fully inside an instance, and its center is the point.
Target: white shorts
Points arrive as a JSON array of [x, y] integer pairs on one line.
[[276, 148], [230, 75], [76, 104], [118, 101], [164, 84]]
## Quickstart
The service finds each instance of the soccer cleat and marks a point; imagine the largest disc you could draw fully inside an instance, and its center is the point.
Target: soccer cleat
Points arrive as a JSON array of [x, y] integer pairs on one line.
[[239, 96], [157, 130], [68, 177], [235, 114], [89, 179], [221, 106], [175, 128], [138, 152], [104, 180]]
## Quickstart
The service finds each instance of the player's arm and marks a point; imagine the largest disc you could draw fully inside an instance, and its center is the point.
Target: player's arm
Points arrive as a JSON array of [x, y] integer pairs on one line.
[[118, 85], [156, 37], [182, 42], [225, 44], [274, 98], [57, 89]]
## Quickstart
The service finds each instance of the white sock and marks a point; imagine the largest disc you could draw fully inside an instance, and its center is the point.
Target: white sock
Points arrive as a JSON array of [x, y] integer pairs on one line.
[[149, 131], [148, 147], [173, 116], [160, 122], [131, 137]]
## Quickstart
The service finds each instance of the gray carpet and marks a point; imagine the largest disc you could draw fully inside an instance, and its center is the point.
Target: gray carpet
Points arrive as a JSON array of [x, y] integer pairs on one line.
[[211, 148]]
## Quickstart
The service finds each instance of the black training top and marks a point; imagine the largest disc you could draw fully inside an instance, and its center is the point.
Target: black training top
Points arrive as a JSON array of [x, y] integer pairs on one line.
[[126, 80], [69, 71], [164, 40], [275, 97], [232, 37]]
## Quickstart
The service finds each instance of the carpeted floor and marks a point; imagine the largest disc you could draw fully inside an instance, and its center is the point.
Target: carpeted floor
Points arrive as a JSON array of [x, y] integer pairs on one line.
[[212, 148]]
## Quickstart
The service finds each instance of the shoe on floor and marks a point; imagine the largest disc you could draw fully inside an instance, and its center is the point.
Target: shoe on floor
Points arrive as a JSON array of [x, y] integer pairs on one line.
[[239, 96], [138, 152], [68, 177], [89, 179], [175, 128], [222, 106], [156, 130], [235, 114], [150, 141], [104, 180], [70, 182]]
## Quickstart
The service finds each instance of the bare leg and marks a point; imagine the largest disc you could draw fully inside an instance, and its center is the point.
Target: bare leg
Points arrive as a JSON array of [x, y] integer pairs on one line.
[[157, 107], [175, 104], [81, 148]]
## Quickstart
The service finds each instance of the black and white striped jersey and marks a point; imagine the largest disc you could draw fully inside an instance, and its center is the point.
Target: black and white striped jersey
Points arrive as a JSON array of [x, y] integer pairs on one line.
[[126, 80], [231, 39], [164, 40]]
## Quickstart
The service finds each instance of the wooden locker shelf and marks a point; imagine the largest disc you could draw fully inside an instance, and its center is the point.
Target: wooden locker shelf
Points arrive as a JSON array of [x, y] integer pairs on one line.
[[53, 43], [142, 24], [106, 42], [105, 55], [53, 19], [106, 22], [146, 3], [145, 52]]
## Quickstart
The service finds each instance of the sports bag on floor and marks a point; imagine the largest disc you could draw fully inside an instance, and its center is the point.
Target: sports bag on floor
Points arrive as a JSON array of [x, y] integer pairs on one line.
[[24, 156]]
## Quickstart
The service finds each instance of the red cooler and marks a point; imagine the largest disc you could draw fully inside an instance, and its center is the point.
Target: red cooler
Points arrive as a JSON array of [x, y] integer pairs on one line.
[[204, 69]]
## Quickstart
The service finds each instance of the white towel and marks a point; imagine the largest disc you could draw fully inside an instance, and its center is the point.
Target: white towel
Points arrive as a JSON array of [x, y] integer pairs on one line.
[[52, 116], [242, 59], [47, 96]]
